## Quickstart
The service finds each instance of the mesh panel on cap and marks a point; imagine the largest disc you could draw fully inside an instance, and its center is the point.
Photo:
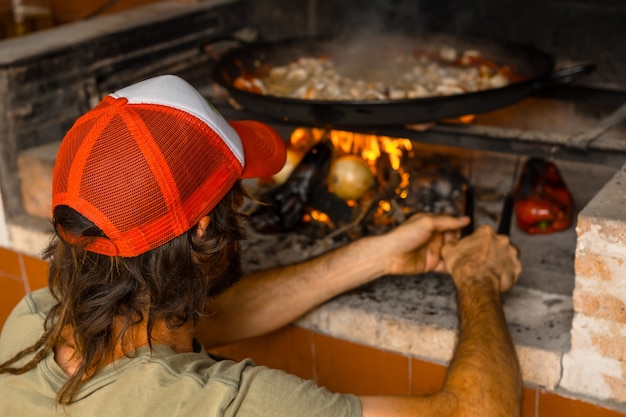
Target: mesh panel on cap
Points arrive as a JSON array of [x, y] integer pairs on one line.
[[118, 181], [68, 150]]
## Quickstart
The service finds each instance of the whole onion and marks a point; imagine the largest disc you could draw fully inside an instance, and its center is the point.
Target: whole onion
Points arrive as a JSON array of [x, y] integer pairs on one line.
[[350, 177]]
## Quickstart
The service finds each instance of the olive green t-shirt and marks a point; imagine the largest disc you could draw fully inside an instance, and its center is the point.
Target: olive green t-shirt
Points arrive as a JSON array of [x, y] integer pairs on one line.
[[157, 383]]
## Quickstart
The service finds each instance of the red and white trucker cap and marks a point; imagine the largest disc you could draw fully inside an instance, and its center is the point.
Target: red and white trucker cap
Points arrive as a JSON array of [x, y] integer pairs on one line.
[[150, 160]]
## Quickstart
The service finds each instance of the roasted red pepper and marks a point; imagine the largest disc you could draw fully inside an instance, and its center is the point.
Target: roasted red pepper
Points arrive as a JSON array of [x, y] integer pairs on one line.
[[543, 204]]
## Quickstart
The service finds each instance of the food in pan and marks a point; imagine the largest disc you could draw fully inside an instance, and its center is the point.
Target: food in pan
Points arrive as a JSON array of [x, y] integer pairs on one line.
[[411, 76]]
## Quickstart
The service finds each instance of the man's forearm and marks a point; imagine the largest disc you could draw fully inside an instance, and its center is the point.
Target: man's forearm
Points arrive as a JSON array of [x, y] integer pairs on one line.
[[265, 301], [483, 378], [484, 374], [249, 308]]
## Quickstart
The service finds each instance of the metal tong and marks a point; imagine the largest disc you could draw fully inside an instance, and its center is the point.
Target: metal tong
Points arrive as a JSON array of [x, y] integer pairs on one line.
[[506, 214]]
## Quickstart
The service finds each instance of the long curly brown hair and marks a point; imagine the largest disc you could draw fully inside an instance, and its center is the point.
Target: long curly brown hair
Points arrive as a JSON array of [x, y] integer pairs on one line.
[[174, 282]]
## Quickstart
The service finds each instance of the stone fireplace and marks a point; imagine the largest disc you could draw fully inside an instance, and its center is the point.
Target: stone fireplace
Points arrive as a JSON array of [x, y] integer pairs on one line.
[[568, 313]]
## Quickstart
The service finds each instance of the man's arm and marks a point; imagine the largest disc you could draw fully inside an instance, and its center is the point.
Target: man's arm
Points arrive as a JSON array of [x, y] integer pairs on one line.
[[266, 300], [483, 378]]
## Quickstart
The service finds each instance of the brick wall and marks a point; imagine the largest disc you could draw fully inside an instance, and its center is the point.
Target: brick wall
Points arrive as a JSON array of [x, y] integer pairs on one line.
[[596, 363]]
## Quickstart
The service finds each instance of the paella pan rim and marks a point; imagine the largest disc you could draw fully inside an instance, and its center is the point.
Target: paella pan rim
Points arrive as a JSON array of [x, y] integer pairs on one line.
[[538, 67]]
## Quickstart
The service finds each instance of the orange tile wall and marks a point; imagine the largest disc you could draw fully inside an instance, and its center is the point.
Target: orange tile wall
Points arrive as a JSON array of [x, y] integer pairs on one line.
[[339, 365], [19, 274]]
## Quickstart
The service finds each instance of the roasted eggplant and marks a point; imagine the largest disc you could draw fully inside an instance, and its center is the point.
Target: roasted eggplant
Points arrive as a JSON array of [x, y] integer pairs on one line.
[[282, 207]]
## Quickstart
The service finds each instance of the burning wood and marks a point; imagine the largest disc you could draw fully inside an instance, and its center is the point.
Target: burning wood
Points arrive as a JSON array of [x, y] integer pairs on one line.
[[282, 208], [401, 185]]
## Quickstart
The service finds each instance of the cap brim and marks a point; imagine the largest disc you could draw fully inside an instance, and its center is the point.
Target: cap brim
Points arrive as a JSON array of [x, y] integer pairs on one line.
[[264, 150]]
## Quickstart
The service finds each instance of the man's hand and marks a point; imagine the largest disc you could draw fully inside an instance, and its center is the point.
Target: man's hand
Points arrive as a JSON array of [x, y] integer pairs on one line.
[[483, 255], [484, 377], [415, 246]]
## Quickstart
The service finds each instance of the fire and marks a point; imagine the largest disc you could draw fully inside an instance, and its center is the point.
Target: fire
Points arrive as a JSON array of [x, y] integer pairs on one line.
[[354, 179], [462, 120], [368, 147], [318, 216], [384, 205]]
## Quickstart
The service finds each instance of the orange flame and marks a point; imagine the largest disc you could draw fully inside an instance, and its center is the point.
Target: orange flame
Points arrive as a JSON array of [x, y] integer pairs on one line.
[[461, 120], [369, 147], [318, 216]]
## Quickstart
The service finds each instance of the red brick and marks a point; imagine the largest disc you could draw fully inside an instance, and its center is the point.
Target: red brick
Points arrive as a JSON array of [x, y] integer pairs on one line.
[[593, 266], [601, 306], [610, 346]]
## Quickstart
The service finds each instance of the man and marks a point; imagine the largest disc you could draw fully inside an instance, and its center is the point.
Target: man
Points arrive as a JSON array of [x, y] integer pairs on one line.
[[144, 276]]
